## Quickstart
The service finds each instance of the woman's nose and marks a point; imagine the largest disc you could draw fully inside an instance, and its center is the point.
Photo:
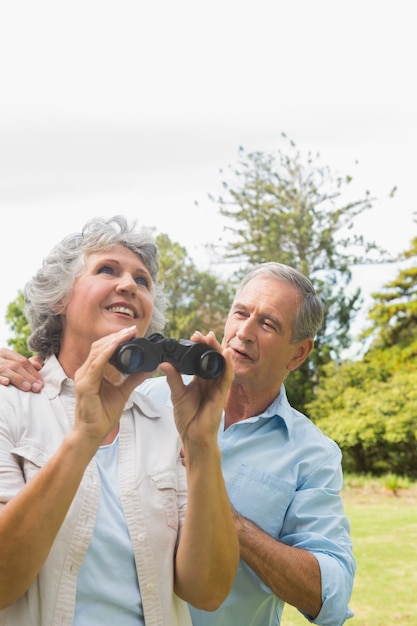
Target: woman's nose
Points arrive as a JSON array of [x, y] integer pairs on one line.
[[126, 283]]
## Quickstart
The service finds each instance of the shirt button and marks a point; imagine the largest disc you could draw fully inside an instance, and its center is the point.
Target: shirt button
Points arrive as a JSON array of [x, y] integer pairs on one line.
[[141, 537], [149, 587]]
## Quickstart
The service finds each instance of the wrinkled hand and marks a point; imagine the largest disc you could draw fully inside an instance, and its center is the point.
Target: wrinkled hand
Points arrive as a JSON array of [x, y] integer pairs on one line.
[[101, 390], [19, 371], [198, 406]]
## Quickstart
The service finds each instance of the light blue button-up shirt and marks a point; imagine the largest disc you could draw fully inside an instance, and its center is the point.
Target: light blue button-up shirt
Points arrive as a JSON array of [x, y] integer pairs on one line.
[[283, 474]]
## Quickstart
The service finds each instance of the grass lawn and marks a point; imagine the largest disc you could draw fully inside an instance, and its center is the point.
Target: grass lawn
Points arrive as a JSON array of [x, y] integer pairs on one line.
[[384, 534]]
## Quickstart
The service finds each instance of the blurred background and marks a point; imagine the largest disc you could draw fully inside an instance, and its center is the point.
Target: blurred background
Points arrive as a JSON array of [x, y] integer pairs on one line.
[[135, 107]]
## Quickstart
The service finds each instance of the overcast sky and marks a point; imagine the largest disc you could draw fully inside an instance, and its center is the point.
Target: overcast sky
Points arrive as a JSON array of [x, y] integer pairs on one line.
[[134, 107]]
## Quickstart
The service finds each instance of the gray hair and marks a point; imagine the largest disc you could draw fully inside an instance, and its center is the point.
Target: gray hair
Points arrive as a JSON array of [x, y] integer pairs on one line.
[[310, 314], [49, 290]]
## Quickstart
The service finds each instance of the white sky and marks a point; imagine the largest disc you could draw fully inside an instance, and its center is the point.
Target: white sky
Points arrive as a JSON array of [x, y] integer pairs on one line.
[[132, 107]]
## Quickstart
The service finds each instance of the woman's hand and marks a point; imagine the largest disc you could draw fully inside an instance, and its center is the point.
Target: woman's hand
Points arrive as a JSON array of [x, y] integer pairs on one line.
[[208, 551], [198, 406], [101, 390]]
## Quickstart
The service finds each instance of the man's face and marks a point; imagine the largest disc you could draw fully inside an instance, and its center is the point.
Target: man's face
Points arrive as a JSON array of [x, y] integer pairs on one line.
[[258, 333]]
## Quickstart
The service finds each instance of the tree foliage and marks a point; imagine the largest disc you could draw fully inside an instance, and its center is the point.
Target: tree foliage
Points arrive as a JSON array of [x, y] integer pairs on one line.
[[289, 208], [292, 209], [371, 412], [197, 300], [370, 407], [19, 325], [393, 315]]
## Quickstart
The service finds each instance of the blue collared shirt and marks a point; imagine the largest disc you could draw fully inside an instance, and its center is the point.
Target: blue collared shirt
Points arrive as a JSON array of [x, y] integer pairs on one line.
[[283, 474]]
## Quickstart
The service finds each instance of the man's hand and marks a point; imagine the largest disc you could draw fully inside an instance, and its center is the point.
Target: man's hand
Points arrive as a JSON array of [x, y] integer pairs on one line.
[[19, 371]]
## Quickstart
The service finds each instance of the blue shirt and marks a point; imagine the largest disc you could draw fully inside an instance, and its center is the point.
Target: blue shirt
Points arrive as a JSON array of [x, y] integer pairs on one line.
[[109, 558], [284, 475]]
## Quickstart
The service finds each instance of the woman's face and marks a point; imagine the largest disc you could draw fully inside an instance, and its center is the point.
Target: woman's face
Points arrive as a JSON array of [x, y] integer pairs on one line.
[[113, 292]]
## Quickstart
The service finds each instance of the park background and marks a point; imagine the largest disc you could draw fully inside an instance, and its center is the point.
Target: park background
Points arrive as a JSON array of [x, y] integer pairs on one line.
[[134, 108], [139, 109]]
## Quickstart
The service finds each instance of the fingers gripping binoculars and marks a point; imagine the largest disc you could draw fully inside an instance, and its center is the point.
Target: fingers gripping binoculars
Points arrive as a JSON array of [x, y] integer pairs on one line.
[[145, 354]]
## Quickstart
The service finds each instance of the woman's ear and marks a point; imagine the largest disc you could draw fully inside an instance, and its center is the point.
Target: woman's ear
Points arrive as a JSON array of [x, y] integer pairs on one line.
[[58, 308]]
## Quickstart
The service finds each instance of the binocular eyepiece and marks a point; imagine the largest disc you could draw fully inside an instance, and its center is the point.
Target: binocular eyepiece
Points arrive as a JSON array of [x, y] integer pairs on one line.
[[145, 354]]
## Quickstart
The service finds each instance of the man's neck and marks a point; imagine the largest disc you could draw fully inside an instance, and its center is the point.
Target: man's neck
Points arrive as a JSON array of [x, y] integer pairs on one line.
[[242, 402]]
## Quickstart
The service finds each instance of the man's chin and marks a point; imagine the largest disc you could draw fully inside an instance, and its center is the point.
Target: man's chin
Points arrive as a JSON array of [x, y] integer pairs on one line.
[[242, 367]]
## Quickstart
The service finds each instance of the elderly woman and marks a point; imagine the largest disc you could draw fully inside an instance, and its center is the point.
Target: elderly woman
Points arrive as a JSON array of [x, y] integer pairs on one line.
[[95, 527]]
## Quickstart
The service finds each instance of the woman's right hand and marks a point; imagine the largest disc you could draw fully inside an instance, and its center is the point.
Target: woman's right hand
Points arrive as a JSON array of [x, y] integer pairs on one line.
[[19, 371], [101, 390]]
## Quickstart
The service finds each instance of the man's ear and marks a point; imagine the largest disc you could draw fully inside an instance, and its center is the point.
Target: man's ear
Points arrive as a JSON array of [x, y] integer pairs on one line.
[[303, 349]]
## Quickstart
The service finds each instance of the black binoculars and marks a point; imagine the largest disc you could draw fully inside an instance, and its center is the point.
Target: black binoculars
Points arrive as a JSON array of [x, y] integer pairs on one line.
[[145, 354]]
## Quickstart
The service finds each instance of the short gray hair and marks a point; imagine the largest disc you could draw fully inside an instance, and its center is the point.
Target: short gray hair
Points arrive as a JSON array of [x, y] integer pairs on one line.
[[52, 285], [310, 314]]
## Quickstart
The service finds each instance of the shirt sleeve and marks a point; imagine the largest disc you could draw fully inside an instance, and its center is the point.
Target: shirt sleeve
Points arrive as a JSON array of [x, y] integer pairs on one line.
[[11, 475], [315, 521]]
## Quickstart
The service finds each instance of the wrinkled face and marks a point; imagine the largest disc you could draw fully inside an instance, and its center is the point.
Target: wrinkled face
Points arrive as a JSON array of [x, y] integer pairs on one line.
[[259, 332], [113, 292]]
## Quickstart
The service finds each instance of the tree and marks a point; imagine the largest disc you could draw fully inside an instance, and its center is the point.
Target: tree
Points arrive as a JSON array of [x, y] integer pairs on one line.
[[370, 407], [393, 315], [19, 325], [197, 300], [371, 412], [292, 209]]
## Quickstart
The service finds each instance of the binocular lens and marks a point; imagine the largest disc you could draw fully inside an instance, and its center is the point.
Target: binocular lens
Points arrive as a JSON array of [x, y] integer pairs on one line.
[[211, 364], [130, 359]]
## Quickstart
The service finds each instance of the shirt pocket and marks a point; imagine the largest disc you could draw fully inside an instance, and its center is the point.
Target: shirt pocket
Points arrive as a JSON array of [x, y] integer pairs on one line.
[[262, 498], [31, 458], [166, 485]]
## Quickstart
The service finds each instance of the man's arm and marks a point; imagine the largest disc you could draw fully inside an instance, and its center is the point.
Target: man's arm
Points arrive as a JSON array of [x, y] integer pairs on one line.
[[291, 573]]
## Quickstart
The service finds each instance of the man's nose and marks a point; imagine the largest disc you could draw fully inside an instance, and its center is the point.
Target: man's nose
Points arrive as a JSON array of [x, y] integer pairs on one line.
[[246, 330]]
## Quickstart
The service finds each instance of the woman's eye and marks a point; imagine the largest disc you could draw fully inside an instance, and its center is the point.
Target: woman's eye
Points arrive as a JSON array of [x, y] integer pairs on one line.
[[105, 269], [142, 280]]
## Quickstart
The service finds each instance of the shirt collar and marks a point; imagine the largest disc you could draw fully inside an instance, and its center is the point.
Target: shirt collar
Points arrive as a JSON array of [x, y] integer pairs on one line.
[[55, 378], [56, 381], [281, 408]]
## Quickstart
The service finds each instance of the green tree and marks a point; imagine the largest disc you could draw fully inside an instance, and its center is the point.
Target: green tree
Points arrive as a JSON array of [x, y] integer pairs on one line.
[[371, 412], [284, 207], [370, 407], [393, 315], [197, 300], [19, 325]]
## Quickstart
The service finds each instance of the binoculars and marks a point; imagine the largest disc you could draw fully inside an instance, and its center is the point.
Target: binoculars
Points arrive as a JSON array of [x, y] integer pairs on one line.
[[145, 354]]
